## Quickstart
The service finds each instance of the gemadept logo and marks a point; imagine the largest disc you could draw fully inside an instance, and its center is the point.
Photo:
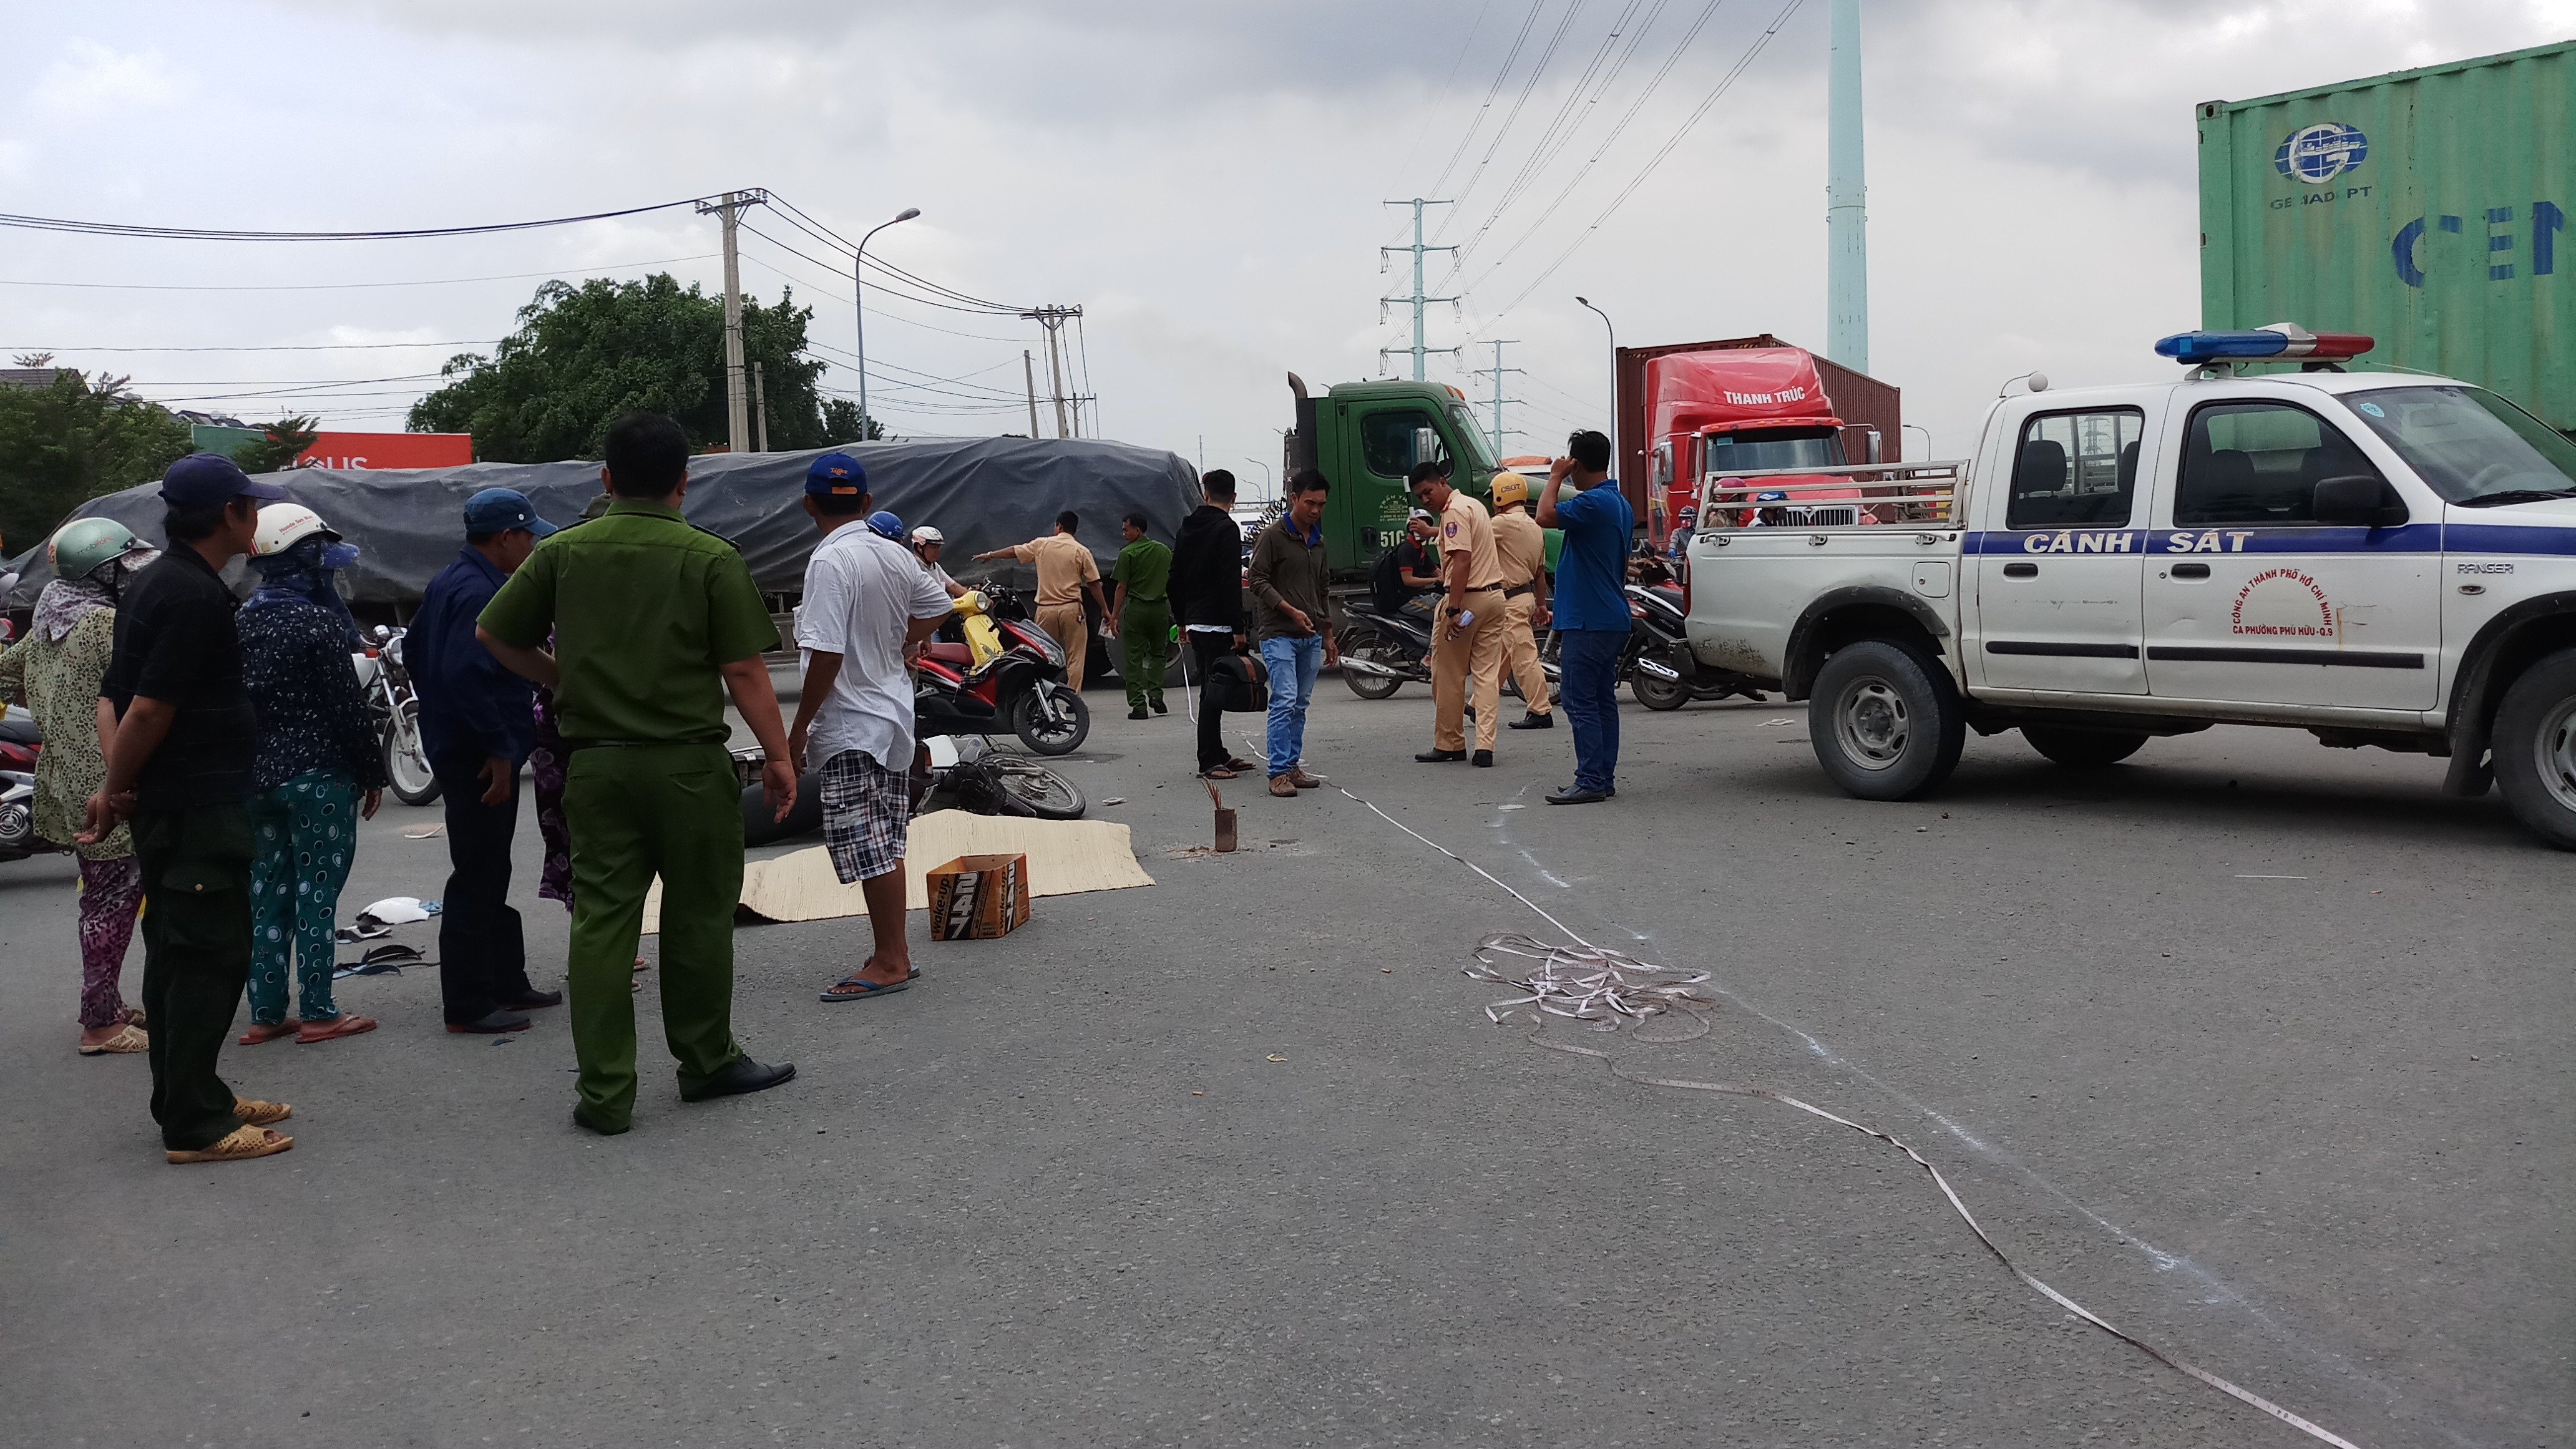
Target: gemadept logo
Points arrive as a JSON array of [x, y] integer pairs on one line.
[[2321, 152]]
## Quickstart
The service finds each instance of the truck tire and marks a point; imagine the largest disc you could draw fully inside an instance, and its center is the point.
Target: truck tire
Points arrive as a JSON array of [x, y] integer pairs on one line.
[[2535, 749], [1886, 720], [2083, 749]]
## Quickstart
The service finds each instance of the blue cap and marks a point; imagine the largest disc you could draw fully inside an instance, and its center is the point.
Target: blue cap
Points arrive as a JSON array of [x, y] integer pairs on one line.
[[499, 510], [886, 525], [202, 478], [835, 475]]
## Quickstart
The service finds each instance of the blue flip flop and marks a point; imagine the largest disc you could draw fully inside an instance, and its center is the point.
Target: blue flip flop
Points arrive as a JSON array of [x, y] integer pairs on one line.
[[851, 988]]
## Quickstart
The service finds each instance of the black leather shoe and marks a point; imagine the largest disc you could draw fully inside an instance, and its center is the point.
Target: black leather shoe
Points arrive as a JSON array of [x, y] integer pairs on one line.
[[1482, 759], [1533, 722], [1161, 708], [741, 1075], [588, 1125], [1571, 795], [533, 1001], [490, 1024], [1441, 757]]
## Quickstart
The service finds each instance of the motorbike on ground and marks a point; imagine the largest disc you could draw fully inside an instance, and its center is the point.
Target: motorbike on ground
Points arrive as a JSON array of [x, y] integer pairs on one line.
[[1662, 672], [990, 654], [395, 707], [1382, 651], [964, 772]]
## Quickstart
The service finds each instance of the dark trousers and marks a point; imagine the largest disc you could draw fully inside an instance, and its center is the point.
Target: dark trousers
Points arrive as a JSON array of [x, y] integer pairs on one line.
[[1588, 660], [482, 957], [196, 960], [1205, 650]]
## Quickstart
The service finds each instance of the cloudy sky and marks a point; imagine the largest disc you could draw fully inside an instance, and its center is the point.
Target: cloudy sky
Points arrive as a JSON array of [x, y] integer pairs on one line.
[[1205, 180]]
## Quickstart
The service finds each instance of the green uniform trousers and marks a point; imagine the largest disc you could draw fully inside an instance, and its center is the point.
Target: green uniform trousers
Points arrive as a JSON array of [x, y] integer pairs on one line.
[[196, 960], [637, 811], [1145, 627]]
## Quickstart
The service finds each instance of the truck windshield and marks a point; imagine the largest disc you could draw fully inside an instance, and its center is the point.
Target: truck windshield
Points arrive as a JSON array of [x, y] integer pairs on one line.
[[1777, 448], [2472, 446], [1471, 440]]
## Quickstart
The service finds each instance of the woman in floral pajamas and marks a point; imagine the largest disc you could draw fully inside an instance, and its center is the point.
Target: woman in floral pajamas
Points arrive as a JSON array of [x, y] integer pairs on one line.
[[317, 773], [56, 669]]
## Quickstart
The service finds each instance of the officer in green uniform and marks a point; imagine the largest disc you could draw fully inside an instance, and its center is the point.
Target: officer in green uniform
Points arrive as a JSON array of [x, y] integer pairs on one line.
[[654, 621], [1144, 615]]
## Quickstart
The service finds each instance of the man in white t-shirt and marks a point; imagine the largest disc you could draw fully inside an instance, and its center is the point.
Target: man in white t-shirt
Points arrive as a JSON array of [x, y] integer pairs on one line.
[[868, 608]]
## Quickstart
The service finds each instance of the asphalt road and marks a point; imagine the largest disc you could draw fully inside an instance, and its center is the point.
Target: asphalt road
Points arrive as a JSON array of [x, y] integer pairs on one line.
[[2256, 1049]]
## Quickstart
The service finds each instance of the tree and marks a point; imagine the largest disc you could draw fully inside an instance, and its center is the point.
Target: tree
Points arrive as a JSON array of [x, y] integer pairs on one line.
[[844, 423], [287, 439], [582, 355], [62, 445]]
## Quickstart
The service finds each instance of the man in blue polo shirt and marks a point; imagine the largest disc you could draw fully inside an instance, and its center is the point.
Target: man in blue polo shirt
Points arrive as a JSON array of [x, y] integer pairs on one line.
[[477, 726], [1591, 608]]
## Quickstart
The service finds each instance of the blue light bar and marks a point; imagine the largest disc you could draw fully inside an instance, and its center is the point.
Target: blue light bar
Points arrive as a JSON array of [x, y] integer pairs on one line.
[[2280, 340]]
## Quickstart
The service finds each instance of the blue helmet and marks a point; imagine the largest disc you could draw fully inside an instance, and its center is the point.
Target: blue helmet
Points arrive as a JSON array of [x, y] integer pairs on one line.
[[886, 525]]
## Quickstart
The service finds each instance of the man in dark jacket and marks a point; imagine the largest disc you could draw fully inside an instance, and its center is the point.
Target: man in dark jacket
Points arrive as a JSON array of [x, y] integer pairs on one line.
[[1206, 593], [477, 726]]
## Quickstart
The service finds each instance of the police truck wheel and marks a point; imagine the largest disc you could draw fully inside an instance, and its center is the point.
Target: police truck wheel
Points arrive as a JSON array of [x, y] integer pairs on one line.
[[1885, 720], [2535, 749], [1375, 648], [2083, 749], [1053, 724]]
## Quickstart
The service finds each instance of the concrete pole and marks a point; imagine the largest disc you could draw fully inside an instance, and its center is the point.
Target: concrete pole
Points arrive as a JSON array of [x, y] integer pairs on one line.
[[759, 407], [1029, 374], [1846, 200], [1055, 380], [737, 386]]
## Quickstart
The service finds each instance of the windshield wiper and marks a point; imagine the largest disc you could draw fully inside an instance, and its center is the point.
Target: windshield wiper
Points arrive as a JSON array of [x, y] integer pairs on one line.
[[2517, 495]]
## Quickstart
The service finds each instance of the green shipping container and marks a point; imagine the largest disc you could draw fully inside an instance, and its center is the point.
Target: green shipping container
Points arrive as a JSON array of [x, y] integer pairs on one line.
[[2426, 208]]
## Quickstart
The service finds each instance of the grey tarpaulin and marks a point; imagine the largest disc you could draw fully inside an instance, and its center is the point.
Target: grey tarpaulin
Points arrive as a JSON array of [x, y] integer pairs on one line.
[[983, 493]]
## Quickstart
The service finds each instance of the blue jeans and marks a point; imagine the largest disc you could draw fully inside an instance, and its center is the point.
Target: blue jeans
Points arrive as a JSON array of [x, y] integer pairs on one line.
[[1293, 664], [1588, 660]]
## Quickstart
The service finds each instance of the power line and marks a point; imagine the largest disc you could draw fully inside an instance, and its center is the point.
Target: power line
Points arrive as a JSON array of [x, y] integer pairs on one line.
[[1474, 27], [345, 286], [1725, 83], [191, 233], [1529, 83], [873, 312], [266, 347], [1570, 115]]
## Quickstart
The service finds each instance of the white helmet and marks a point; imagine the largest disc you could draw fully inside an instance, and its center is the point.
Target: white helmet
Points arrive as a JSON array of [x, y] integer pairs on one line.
[[927, 534], [284, 525]]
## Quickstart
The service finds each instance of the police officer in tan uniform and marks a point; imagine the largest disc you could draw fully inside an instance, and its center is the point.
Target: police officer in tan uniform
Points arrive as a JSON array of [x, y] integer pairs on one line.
[[1467, 628], [1524, 553]]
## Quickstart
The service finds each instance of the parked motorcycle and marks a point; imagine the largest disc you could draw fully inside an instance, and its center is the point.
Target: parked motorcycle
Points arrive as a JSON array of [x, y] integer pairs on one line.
[[965, 772], [395, 707], [20, 742], [1662, 672], [17, 815], [1382, 651], [1015, 672]]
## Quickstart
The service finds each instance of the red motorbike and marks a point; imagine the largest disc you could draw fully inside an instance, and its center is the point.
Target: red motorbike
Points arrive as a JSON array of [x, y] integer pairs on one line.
[[1020, 677], [19, 746]]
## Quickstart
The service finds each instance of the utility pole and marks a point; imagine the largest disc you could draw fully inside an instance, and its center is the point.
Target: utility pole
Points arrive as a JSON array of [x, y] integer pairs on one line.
[[1029, 374], [1497, 401], [760, 407], [737, 383], [1053, 320], [1418, 300], [1846, 200]]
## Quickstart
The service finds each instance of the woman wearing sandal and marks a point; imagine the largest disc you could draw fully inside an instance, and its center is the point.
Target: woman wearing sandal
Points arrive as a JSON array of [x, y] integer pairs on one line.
[[57, 669], [316, 758]]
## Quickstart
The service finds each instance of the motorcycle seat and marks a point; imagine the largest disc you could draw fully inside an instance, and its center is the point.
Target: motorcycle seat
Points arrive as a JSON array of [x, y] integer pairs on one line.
[[956, 654], [20, 729]]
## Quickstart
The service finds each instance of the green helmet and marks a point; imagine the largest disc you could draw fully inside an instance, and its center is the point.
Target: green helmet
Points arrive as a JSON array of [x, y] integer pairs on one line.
[[80, 546]]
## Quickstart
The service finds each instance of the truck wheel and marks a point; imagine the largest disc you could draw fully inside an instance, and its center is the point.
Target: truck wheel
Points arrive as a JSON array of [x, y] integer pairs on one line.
[[2083, 749], [2535, 749], [1885, 720]]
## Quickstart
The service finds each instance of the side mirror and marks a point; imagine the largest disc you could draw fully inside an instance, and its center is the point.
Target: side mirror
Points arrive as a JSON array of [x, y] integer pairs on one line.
[[2359, 500], [382, 633]]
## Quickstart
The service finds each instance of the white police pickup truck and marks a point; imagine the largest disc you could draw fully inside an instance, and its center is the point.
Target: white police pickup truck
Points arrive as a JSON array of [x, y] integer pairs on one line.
[[2379, 559]]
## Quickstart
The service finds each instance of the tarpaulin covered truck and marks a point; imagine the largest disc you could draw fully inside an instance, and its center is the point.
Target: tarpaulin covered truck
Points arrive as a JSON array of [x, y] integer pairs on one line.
[[2426, 209], [1739, 404]]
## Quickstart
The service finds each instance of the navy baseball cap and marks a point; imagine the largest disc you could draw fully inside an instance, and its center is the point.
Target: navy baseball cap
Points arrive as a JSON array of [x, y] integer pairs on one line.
[[499, 510], [202, 478], [836, 475]]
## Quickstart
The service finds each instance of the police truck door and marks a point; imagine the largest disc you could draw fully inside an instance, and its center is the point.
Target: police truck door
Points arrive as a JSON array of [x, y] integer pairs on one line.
[[2249, 600], [2059, 554]]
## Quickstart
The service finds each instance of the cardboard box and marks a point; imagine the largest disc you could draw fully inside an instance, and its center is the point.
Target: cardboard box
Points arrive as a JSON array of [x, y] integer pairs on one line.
[[978, 897]]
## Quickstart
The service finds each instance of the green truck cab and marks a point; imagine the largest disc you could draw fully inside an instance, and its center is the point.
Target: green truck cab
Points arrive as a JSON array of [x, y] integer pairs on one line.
[[1364, 437]]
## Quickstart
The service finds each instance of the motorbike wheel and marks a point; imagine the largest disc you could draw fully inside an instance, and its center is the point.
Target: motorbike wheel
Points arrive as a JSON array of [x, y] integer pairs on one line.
[[1655, 693], [1055, 723], [1376, 648], [406, 762], [1029, 788]]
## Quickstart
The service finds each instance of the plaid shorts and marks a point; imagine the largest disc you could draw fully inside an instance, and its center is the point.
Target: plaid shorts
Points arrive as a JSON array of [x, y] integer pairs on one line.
[[866, 808]]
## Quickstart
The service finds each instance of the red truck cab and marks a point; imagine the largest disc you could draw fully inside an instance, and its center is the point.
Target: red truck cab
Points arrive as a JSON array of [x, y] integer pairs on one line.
[[1744, 404]]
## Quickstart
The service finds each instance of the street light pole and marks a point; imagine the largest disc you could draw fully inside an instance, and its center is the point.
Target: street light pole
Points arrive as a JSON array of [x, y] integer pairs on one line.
[[1268, 483], [859, 308], [1616, 457], [1927, 439]]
